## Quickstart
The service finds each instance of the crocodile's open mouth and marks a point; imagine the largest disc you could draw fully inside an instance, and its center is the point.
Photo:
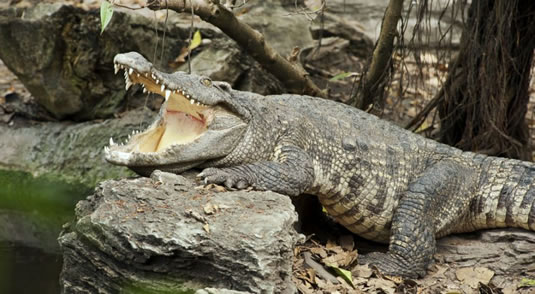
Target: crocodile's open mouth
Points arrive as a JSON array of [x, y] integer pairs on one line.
[[182, 119]]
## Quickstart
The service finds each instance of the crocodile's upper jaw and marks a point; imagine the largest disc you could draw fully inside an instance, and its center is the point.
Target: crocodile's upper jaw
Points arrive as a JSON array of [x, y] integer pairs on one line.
[[184, 128]]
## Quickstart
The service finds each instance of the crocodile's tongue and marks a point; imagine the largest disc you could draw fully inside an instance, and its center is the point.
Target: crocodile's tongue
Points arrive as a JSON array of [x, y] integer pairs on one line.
[[180, 128]]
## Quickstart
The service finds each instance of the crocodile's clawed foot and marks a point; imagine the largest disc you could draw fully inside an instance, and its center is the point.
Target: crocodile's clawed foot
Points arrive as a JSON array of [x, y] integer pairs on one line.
[[231, 178], [391, 265]]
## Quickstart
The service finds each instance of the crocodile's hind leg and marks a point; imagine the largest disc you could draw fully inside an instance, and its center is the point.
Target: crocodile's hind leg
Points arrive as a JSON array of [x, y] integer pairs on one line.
[[432, 205]]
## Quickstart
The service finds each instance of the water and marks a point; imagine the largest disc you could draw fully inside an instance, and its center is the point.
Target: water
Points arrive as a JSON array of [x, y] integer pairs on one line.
[[29, 270], [32, 212]]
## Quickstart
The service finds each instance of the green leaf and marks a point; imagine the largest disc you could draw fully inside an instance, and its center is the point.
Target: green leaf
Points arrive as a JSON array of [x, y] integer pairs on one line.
[[106, 12], [527, 283], [196, 40], [340, 76], [345, 274]]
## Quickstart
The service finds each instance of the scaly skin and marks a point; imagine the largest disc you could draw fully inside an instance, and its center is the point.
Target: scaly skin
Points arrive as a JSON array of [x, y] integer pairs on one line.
[[380, 181]]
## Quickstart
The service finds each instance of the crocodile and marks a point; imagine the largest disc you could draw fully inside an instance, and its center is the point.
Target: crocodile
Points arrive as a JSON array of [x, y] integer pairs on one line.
[[378, 180]]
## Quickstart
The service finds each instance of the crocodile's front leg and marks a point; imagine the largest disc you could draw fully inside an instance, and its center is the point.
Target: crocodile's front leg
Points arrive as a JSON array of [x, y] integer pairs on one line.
[[291, 173], [434, 202]]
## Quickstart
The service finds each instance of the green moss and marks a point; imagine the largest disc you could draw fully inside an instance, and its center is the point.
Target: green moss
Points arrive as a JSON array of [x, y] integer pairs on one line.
[[156, 286], [46, 199]]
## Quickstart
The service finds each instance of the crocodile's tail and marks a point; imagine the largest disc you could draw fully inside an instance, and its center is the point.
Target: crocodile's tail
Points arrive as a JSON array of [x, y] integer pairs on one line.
[[506, 195]]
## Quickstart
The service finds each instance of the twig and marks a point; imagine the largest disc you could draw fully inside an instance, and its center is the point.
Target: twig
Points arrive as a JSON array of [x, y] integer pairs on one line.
[[127, 7], [320, 270]]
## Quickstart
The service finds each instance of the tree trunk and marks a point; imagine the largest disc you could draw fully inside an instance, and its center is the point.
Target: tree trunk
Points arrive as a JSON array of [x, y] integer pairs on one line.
[[486, 94], [370, 94]]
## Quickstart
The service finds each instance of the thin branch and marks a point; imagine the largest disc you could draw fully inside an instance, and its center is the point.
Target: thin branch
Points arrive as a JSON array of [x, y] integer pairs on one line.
[[295, 79]]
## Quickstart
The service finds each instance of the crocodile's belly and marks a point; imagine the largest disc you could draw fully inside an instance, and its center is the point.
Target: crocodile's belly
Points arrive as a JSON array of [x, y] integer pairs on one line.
[[368, 214]]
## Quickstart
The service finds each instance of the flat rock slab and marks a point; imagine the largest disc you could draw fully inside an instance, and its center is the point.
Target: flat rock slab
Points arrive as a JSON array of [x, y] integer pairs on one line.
[[499, 258], [164, 234]]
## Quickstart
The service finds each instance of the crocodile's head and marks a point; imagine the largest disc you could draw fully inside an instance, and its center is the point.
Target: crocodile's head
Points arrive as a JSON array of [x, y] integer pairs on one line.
[[198, 122]]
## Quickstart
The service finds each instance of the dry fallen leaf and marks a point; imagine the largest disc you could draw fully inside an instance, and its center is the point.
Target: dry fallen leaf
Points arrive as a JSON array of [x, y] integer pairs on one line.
[[340, 258], [472, 276], [347, 242], [362, 271], [210, 209], [382, 284], [320, 251]]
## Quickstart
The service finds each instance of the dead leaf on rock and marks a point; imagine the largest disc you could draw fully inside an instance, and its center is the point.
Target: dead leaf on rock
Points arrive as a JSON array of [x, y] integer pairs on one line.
[[206, 227], [219, 189], [210, 208], [196, 215], [473, 276]]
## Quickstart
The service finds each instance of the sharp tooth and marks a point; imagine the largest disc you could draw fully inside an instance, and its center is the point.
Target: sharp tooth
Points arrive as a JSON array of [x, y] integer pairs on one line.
[[198, 103], [153, 76], [126, 77], [130, 71], [188, 96], [182, 92], [129, 137], [128, 84], [167, 94], [137, 75], [116, 67], [157, 81], [144, 90], [111, 141], [162, 88]]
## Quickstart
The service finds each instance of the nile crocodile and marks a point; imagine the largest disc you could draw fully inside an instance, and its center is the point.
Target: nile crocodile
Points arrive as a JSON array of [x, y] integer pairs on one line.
[[378, 180]]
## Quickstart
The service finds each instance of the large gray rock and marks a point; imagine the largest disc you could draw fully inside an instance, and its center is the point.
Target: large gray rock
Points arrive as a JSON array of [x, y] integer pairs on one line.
[[505, 251], [57, 51], [64, 151], [154, 234]]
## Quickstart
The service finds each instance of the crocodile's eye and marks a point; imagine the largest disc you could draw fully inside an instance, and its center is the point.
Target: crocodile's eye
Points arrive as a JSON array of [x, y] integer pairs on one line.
[[206, 82]]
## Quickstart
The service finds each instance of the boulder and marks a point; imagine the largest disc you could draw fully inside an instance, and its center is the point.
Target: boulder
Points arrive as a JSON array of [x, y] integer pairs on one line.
[[164, 234], [59, 54], [66, 151]]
